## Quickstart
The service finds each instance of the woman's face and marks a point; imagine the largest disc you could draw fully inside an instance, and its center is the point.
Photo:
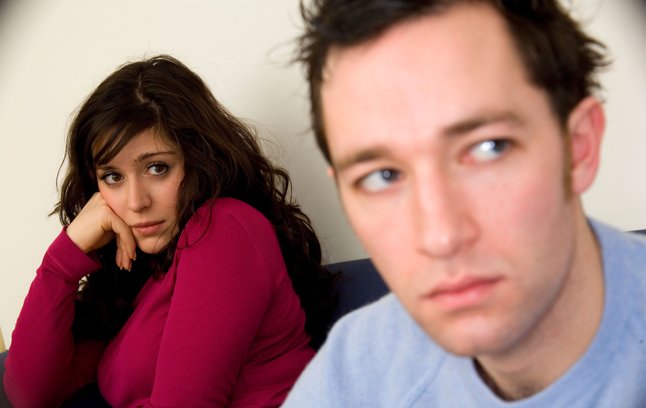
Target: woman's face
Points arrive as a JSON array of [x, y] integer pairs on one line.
[[141, 185]]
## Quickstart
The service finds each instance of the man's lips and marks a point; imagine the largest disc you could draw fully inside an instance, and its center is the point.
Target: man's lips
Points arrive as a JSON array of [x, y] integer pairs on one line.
[[462, 293], [147, 228]]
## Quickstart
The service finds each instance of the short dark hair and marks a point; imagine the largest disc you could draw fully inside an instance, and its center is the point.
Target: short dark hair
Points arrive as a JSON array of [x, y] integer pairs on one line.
[[559, 57]]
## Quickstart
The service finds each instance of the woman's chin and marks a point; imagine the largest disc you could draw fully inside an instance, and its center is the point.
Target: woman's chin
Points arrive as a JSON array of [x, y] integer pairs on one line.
[[151, 247]]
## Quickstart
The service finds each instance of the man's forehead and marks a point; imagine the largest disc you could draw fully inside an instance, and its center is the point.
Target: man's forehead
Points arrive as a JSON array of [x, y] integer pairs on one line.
[[459, 65], [445, 25]]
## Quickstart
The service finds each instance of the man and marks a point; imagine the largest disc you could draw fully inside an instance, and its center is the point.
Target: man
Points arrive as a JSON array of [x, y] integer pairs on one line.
[[460, 135]]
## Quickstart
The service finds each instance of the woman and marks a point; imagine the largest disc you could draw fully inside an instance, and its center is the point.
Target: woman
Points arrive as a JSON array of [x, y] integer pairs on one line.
[[201, 282]]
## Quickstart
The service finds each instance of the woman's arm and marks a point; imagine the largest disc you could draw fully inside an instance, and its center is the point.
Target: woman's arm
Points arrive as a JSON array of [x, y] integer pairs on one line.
[[45, 366]]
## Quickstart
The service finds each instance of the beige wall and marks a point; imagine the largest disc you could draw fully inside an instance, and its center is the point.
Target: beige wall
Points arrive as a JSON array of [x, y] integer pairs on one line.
[[53, 53]]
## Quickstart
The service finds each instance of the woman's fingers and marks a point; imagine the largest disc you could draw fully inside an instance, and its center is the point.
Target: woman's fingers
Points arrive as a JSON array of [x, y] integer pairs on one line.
[[126, 245], [87, 230], [118, 258], [96, 225]]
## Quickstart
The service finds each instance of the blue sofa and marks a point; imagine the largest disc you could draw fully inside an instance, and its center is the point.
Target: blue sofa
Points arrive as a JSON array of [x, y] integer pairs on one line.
[[359, 285]]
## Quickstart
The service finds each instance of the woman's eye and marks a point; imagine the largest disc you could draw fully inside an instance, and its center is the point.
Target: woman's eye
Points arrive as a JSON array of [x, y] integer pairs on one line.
[[379, 180], [111, 178], [158, 169], [489, 149]]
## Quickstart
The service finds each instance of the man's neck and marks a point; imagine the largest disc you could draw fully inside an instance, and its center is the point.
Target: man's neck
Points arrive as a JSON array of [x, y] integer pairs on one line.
[[563, 335]]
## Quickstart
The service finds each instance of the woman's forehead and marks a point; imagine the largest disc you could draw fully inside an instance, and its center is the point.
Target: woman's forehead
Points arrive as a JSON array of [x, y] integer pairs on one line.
[[109, 144]]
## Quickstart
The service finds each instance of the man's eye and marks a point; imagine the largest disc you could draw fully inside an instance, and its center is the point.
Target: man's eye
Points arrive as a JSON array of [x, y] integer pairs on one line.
[[111, 178], [158, 169], [489, 149], [379, 180]]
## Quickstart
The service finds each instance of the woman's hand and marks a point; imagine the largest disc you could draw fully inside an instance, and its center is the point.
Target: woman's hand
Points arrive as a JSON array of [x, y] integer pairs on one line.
[[96, 225]]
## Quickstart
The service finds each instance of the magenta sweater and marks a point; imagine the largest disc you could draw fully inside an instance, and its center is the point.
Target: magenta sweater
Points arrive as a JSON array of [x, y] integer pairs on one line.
[[223, 327]]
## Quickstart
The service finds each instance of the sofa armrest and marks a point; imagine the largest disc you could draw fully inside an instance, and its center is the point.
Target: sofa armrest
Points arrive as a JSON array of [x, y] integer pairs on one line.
[[359, 285], [4, 401]]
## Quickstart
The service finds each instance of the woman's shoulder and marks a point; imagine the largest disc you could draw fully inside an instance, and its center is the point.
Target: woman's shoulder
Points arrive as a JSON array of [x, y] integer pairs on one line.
[[227, 208], [228, 205], [224, 214]]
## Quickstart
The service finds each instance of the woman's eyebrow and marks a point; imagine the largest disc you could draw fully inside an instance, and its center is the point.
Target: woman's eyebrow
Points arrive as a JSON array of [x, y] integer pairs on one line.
[[142, 157], [146, 156]]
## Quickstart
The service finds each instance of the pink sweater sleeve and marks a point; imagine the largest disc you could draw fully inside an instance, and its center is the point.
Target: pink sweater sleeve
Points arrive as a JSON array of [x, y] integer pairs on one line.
[[44, 366], [223, 288]]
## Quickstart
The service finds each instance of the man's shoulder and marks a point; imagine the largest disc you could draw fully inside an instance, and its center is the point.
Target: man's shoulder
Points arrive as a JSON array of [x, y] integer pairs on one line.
[[385, 316], [616, 244], [383, 338], [372, 346], [624, 263], [624, 256]]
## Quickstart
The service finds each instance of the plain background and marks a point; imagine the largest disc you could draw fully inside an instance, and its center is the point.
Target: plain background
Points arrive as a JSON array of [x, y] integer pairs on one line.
[[53, 53]]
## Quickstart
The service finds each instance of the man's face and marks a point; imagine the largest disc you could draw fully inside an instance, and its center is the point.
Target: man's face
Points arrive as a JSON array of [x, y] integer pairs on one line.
[[451, 169]]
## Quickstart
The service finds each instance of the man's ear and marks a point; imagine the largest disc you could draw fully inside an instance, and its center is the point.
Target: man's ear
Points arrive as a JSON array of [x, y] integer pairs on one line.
[[585, 128], [330, 172]]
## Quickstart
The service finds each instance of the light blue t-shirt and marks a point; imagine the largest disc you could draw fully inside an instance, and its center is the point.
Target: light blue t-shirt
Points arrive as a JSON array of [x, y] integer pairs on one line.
[[379, 357]]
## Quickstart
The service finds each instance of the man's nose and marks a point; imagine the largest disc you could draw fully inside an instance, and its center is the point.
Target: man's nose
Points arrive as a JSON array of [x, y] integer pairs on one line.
[[442, 213]]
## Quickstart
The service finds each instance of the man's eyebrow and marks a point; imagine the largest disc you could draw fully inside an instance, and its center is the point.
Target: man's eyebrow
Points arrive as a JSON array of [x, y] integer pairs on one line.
[[458, 128], [477, 121], [360, 157]]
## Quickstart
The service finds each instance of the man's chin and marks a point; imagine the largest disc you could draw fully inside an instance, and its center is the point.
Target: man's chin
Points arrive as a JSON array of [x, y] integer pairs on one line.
[[469, 343]]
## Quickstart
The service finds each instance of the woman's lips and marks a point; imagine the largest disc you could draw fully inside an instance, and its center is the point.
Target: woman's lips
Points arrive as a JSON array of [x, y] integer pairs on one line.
[[148, 228], [463, 293]]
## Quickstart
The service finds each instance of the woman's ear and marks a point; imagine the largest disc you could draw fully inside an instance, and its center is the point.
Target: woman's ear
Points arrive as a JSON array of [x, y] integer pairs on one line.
[[585, 128]]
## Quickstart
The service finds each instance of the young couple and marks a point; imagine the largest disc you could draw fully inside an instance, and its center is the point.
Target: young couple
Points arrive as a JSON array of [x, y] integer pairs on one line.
[[460, 134]]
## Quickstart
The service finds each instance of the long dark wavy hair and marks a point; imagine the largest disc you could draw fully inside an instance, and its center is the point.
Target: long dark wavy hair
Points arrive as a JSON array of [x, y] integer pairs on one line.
[[222, 158]]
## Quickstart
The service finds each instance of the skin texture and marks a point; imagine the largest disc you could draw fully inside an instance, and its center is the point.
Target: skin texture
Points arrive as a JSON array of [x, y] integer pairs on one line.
[[139, 187], [464, 189]]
